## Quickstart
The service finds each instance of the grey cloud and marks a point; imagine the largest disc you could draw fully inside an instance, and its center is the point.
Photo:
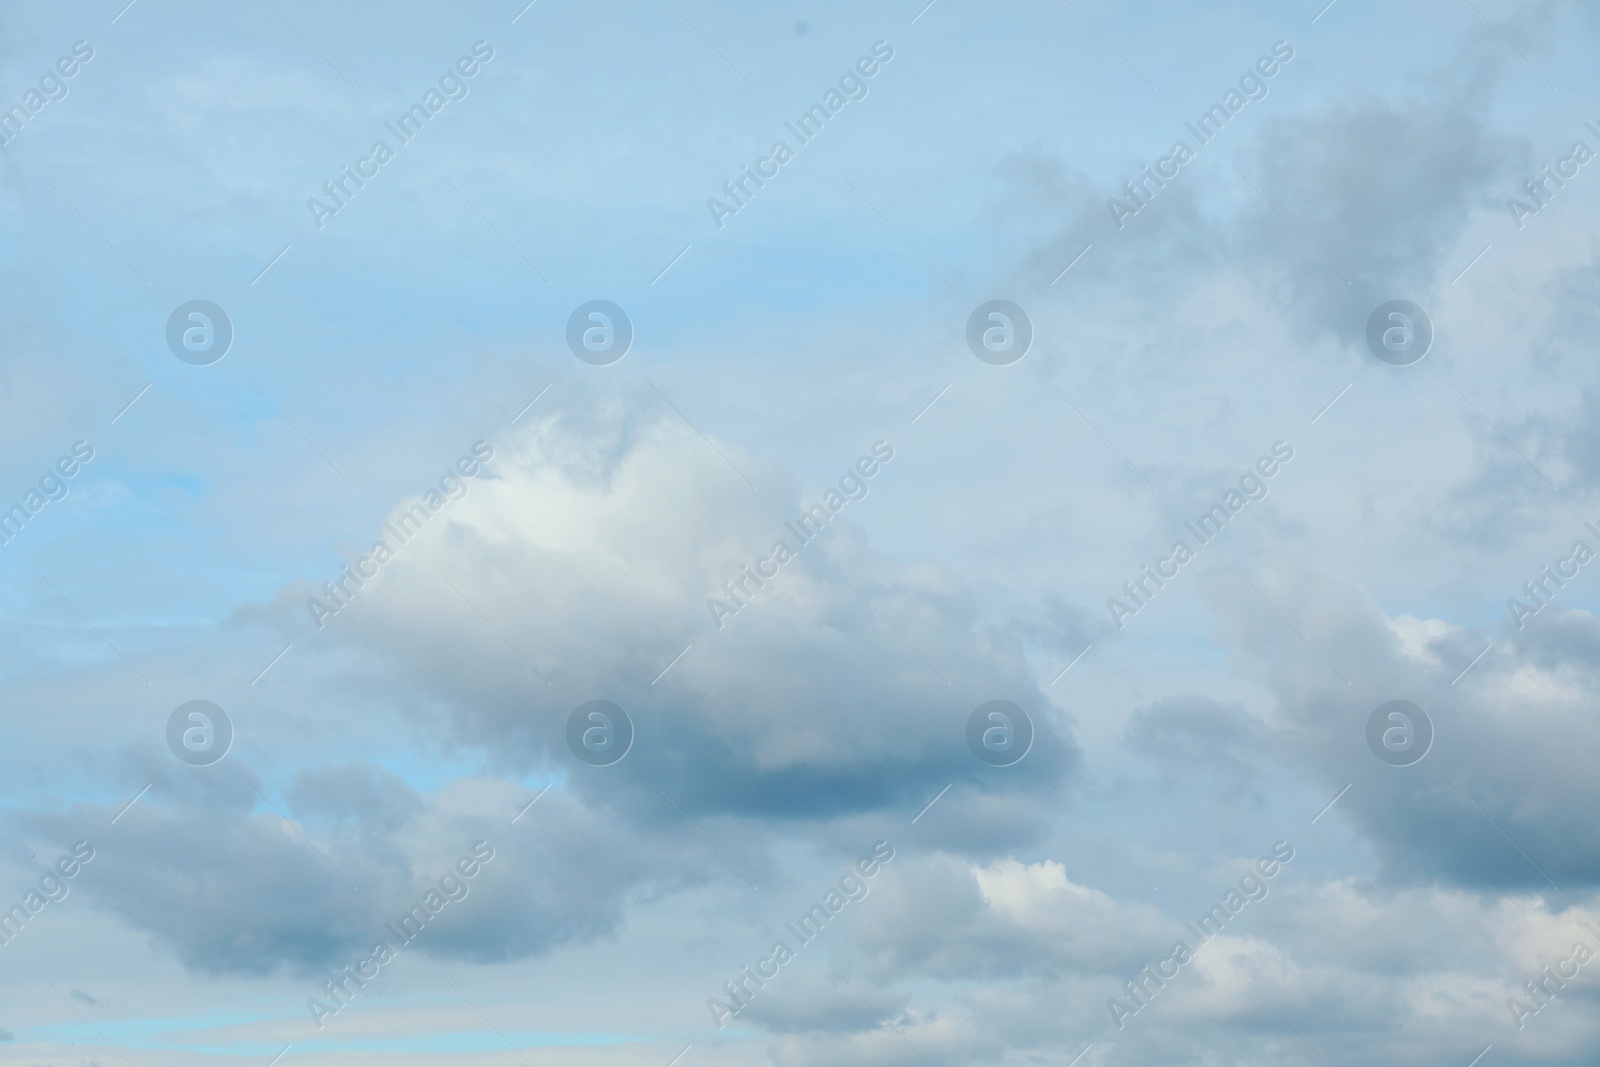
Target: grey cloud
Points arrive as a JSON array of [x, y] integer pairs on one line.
[[1060, 624], [359, 792], [904, 1041], [567, 878], [1503, 497], [227, 892], [934, 920], [1580, 442], [1381, 188], [814, 1002], [1496, 803], [1192, 736], [231, 891], [815, 701]]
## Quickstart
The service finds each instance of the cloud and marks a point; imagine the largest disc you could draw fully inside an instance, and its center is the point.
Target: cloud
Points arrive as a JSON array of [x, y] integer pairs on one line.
[[1382, 219], [357, 792], [1495, 804], [1192, 736], [231, 888], [904, 1038], [843, 686], [946, 918], [832, 707]]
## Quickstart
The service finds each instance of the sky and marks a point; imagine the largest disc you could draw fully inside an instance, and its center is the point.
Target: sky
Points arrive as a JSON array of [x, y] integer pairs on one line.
[[667, 533]]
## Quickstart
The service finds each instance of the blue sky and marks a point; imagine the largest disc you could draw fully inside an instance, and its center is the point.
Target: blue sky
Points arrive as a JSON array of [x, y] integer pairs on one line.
[[1224, 319]]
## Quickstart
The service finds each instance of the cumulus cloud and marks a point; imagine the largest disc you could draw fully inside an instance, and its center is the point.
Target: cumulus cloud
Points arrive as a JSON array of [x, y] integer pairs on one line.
[[831, 708], [1006, 919], [1495, 803], [843, 685], [247, 885]]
